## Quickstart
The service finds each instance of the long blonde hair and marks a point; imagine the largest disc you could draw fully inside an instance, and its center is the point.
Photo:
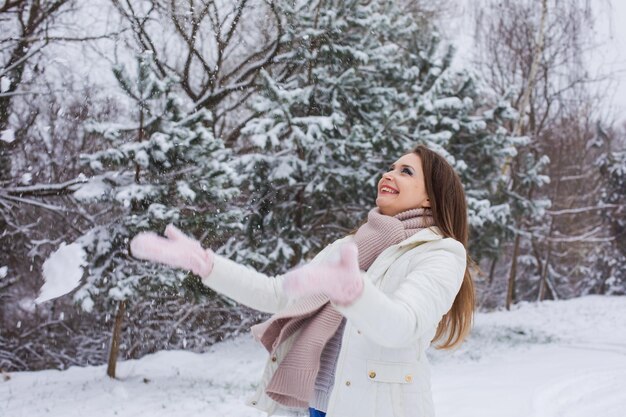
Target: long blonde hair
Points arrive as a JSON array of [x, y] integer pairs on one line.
[[449, 208]]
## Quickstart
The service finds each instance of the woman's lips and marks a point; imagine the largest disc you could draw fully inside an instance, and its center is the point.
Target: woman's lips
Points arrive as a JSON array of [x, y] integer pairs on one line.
[[387, 190]]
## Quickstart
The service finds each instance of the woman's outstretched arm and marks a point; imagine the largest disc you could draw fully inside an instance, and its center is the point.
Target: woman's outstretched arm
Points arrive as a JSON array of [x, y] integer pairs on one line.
[[246, 286], [252, 288], [241, 283]]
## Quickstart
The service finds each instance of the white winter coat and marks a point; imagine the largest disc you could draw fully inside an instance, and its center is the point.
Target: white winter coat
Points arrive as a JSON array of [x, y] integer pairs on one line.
[[382, 369]]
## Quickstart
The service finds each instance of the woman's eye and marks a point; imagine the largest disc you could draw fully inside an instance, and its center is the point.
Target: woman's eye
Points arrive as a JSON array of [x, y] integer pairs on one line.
[[408, 171]]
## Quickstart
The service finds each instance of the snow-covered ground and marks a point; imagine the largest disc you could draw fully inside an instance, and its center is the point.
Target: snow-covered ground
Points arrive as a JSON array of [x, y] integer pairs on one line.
[[565, 358]]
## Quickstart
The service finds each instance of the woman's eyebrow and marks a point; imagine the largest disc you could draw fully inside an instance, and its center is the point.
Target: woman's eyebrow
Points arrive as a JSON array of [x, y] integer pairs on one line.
[[403, 165]]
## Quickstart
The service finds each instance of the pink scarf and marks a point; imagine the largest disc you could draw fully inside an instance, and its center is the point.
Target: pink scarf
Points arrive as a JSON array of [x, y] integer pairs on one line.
[[293, 383]]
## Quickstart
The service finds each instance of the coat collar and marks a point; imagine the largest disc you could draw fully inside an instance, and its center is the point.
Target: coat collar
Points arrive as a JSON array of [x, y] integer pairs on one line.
[[424, 235]]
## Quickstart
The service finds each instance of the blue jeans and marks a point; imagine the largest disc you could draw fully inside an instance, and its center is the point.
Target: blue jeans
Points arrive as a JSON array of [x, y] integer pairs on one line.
[[316, 413]]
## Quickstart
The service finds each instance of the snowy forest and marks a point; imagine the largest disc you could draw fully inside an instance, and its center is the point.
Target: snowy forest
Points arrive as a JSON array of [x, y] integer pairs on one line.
[[261, 127]]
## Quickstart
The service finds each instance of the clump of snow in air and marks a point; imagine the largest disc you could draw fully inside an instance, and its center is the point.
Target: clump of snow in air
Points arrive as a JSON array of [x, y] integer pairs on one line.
[[4, 270], [62, 271]]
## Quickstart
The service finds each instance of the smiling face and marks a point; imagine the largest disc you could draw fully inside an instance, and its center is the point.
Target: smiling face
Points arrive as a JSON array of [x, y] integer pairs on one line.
[[402, 187]]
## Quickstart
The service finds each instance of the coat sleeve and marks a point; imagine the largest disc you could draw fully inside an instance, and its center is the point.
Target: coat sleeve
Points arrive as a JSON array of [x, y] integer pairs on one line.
[[249, 287], [417, 304]]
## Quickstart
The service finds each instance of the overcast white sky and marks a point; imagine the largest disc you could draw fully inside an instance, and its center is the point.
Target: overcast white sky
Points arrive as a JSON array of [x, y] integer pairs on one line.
[[608, 58]]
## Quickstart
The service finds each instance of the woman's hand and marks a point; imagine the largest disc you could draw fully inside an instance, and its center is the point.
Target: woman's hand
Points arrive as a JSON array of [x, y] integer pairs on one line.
[[177, 250], [340, 281]]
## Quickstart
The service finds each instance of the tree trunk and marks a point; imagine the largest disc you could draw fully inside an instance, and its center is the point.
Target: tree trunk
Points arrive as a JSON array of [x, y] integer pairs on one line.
[[543, 284], [139, 139], [115, 338], [492, 270], [530, 82], [510, 294]]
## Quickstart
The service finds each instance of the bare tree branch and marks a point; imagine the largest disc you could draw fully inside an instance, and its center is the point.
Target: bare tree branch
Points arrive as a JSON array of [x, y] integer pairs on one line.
[[42, 190], [579, 210]]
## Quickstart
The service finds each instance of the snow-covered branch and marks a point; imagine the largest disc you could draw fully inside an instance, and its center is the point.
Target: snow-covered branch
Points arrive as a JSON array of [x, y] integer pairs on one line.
[[587, 236], [43, 190], [579, 210], [48, 38], [31, 202], [20, 61]]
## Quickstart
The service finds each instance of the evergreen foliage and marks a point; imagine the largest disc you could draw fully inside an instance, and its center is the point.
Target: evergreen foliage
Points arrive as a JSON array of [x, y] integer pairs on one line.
[[362, 85], [609, 276], [169, 167]]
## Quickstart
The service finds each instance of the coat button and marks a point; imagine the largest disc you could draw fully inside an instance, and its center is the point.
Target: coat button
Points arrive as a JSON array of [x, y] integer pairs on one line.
[[408, 378], [372, 374], [347, 383], [274, 359], [253, 402], [358, 332]]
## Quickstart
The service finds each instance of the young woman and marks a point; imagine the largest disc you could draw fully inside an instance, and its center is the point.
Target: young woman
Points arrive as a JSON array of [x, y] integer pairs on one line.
[[350, 328]]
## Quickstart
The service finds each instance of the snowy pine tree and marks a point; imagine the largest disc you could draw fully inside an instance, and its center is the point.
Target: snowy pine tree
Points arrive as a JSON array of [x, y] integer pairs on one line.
[[527, 214], [363, 84], [164, 165], [609, 276], [450, 113], [166, 168]]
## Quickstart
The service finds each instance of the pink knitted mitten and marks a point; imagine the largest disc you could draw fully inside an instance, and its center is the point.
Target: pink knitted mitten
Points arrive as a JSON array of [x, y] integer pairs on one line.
[[340, 281], [178, 250]]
